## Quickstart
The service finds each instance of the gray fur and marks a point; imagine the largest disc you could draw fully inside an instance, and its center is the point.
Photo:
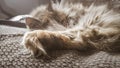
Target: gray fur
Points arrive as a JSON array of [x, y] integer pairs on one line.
[[75, 26]]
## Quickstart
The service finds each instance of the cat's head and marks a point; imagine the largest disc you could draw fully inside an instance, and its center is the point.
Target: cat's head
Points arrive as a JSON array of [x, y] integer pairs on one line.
[[47, 17], [54, 16]]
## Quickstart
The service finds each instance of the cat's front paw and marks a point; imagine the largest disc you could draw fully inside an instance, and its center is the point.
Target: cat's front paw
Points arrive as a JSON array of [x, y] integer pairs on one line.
[[32, 43]]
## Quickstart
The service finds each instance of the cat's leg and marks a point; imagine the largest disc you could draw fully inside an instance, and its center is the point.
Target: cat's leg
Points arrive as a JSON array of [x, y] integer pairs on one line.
[[107, 39], [39, 41]]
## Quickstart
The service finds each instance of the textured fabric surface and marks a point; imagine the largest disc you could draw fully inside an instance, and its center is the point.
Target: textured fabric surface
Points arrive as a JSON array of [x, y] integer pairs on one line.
[[14, 55], [11, 30]]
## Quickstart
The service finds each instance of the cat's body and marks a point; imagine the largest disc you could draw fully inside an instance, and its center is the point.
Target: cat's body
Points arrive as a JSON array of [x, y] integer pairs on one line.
[[72, 26]]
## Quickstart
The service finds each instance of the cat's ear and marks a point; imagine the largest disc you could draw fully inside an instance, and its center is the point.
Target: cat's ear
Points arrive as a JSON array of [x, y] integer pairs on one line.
[[32, 23], [49, 6]]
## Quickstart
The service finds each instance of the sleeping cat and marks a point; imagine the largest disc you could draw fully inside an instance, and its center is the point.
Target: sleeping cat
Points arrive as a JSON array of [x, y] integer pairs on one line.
[[72, 26]]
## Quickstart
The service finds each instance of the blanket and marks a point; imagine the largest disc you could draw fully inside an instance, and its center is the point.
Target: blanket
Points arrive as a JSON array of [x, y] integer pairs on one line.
[[14, 55]]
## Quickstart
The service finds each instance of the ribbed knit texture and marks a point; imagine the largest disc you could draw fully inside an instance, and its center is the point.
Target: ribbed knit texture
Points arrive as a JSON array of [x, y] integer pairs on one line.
[[14, 55]]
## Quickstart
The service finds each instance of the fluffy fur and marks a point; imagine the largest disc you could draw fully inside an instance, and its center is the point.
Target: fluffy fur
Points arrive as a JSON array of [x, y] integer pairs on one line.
[[72, 26]]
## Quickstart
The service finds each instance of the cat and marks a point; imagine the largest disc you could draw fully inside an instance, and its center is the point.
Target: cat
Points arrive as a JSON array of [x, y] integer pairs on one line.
[[72, 26]]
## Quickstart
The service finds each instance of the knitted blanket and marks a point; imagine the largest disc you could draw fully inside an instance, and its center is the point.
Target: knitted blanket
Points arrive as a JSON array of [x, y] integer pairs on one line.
[[14, 55]]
